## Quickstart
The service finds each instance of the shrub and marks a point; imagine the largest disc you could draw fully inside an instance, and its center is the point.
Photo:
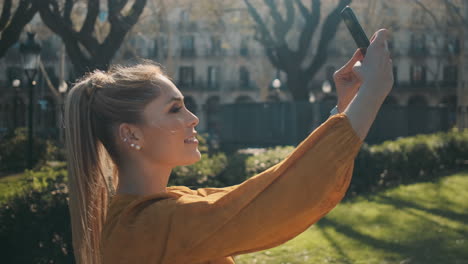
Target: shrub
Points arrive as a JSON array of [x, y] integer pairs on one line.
[[262, 161], [409, 160], [14, 149], [202, 173], [35, 224]]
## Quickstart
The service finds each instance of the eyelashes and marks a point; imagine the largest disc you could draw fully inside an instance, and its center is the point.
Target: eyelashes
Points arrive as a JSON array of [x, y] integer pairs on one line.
[[175, 109]]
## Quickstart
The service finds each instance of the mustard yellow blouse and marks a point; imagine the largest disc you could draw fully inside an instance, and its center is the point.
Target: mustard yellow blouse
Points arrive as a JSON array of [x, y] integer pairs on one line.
[[210, 225]]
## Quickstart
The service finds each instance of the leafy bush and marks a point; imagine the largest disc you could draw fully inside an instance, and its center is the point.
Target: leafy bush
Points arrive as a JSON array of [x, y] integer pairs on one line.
[[202, 173], [409, 160], [35, 224], [262, 161], [14, 149]]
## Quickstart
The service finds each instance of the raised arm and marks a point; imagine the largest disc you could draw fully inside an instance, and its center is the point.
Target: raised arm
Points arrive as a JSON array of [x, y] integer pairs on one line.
[[377, 75]]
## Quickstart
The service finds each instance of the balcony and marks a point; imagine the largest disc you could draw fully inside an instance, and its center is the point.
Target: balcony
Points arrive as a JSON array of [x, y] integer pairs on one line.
[[187, 53], [187, 26]]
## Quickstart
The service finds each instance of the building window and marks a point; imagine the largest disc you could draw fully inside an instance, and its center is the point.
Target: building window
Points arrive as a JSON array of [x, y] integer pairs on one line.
[[418, 45], [213, 78], [453, 45], [184, 16], [186, 76], [450, 74], [160, 48], [244, 47], [244, 78], [188, 46], [215, 48], [418, 74]]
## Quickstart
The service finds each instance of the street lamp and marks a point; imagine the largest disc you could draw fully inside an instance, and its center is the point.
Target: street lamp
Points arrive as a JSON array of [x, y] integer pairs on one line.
[[276, 85], [311, 97], [30, 56], [326, 87], [63, 88], [16, 84]]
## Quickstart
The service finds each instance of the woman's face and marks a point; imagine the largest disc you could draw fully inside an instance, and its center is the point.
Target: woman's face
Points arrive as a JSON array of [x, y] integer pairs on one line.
[[169, 129]]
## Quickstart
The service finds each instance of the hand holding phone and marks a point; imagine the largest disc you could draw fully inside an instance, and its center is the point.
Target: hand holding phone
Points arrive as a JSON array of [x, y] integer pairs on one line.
[[355, 29]]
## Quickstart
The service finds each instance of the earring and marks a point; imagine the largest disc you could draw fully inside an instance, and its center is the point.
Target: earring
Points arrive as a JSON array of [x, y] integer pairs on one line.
[[125, 139], [137, 147], [132, 145]]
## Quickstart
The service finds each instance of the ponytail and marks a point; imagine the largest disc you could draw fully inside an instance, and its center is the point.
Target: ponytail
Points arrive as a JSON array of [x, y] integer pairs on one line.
[[88, 165]]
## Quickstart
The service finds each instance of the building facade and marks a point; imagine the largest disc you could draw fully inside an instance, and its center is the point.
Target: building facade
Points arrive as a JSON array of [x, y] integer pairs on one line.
[[221, 62]]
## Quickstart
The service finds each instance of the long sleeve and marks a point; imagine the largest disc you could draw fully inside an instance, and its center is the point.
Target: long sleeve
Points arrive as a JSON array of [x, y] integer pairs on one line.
[[262, 212]]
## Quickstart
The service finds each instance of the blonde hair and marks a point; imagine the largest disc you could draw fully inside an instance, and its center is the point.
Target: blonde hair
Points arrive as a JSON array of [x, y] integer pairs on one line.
[[94, 108]]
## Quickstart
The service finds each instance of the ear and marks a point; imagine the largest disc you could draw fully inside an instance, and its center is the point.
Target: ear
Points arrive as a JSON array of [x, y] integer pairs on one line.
[[131, 132]]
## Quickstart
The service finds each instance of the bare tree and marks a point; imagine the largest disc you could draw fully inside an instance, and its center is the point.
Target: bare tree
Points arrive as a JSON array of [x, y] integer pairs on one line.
[[82, 44], [283, 57], [12, 24]]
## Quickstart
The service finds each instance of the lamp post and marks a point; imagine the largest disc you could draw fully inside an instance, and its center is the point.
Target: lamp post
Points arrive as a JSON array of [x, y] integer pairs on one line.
[[16, 84], [276, 84], [326, 87], [30, 53], [63, 88]]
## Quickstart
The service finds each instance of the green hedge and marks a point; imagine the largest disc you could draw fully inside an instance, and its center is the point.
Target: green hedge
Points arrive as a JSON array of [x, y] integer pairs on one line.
[[14, 146], [35, 223], [409, 160]]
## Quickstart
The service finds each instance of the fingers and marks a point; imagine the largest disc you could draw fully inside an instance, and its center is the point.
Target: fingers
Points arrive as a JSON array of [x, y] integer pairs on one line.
[[380, 38], [357, 56]]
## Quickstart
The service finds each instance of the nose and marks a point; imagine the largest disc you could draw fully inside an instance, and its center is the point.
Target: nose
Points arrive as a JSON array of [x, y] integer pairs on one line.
[[193, 120]]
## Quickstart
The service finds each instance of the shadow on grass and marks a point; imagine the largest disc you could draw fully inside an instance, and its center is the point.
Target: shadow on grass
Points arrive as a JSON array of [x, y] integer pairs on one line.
[[401, 204], [419, 251], [339, 250]]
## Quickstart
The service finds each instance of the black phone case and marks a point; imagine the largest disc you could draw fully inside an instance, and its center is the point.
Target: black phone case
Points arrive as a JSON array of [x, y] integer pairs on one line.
[[355, 28]]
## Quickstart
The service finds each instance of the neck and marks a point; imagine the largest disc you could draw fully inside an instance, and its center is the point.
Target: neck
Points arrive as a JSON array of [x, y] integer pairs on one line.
[[143, 178]]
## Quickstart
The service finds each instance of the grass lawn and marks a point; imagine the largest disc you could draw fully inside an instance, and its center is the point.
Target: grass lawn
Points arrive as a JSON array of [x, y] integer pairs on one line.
[[419, 223], [11, 184]]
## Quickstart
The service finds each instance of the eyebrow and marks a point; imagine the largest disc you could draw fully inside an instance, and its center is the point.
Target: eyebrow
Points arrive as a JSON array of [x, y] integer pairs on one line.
[[175, 99]]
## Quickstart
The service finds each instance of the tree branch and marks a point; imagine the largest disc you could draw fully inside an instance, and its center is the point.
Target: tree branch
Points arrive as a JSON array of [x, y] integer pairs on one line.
[[6, 14], [119, 28], [312, 22], [91, 16], [115, 6], [456, 10], [22, 16], [267, 39], [280, 27], [67, 12], [428, 11], [270, 52], [329, 29], [290, 14]]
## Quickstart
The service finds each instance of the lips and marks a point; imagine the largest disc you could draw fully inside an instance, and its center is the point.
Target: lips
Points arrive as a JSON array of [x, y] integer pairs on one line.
[[191, 139]]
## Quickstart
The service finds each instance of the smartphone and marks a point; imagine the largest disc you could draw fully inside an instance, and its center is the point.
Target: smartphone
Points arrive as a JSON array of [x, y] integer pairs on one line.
[[355, 29]]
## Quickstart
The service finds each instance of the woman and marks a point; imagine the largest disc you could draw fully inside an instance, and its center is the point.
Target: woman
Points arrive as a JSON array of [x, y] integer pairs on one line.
[[128, 128]]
